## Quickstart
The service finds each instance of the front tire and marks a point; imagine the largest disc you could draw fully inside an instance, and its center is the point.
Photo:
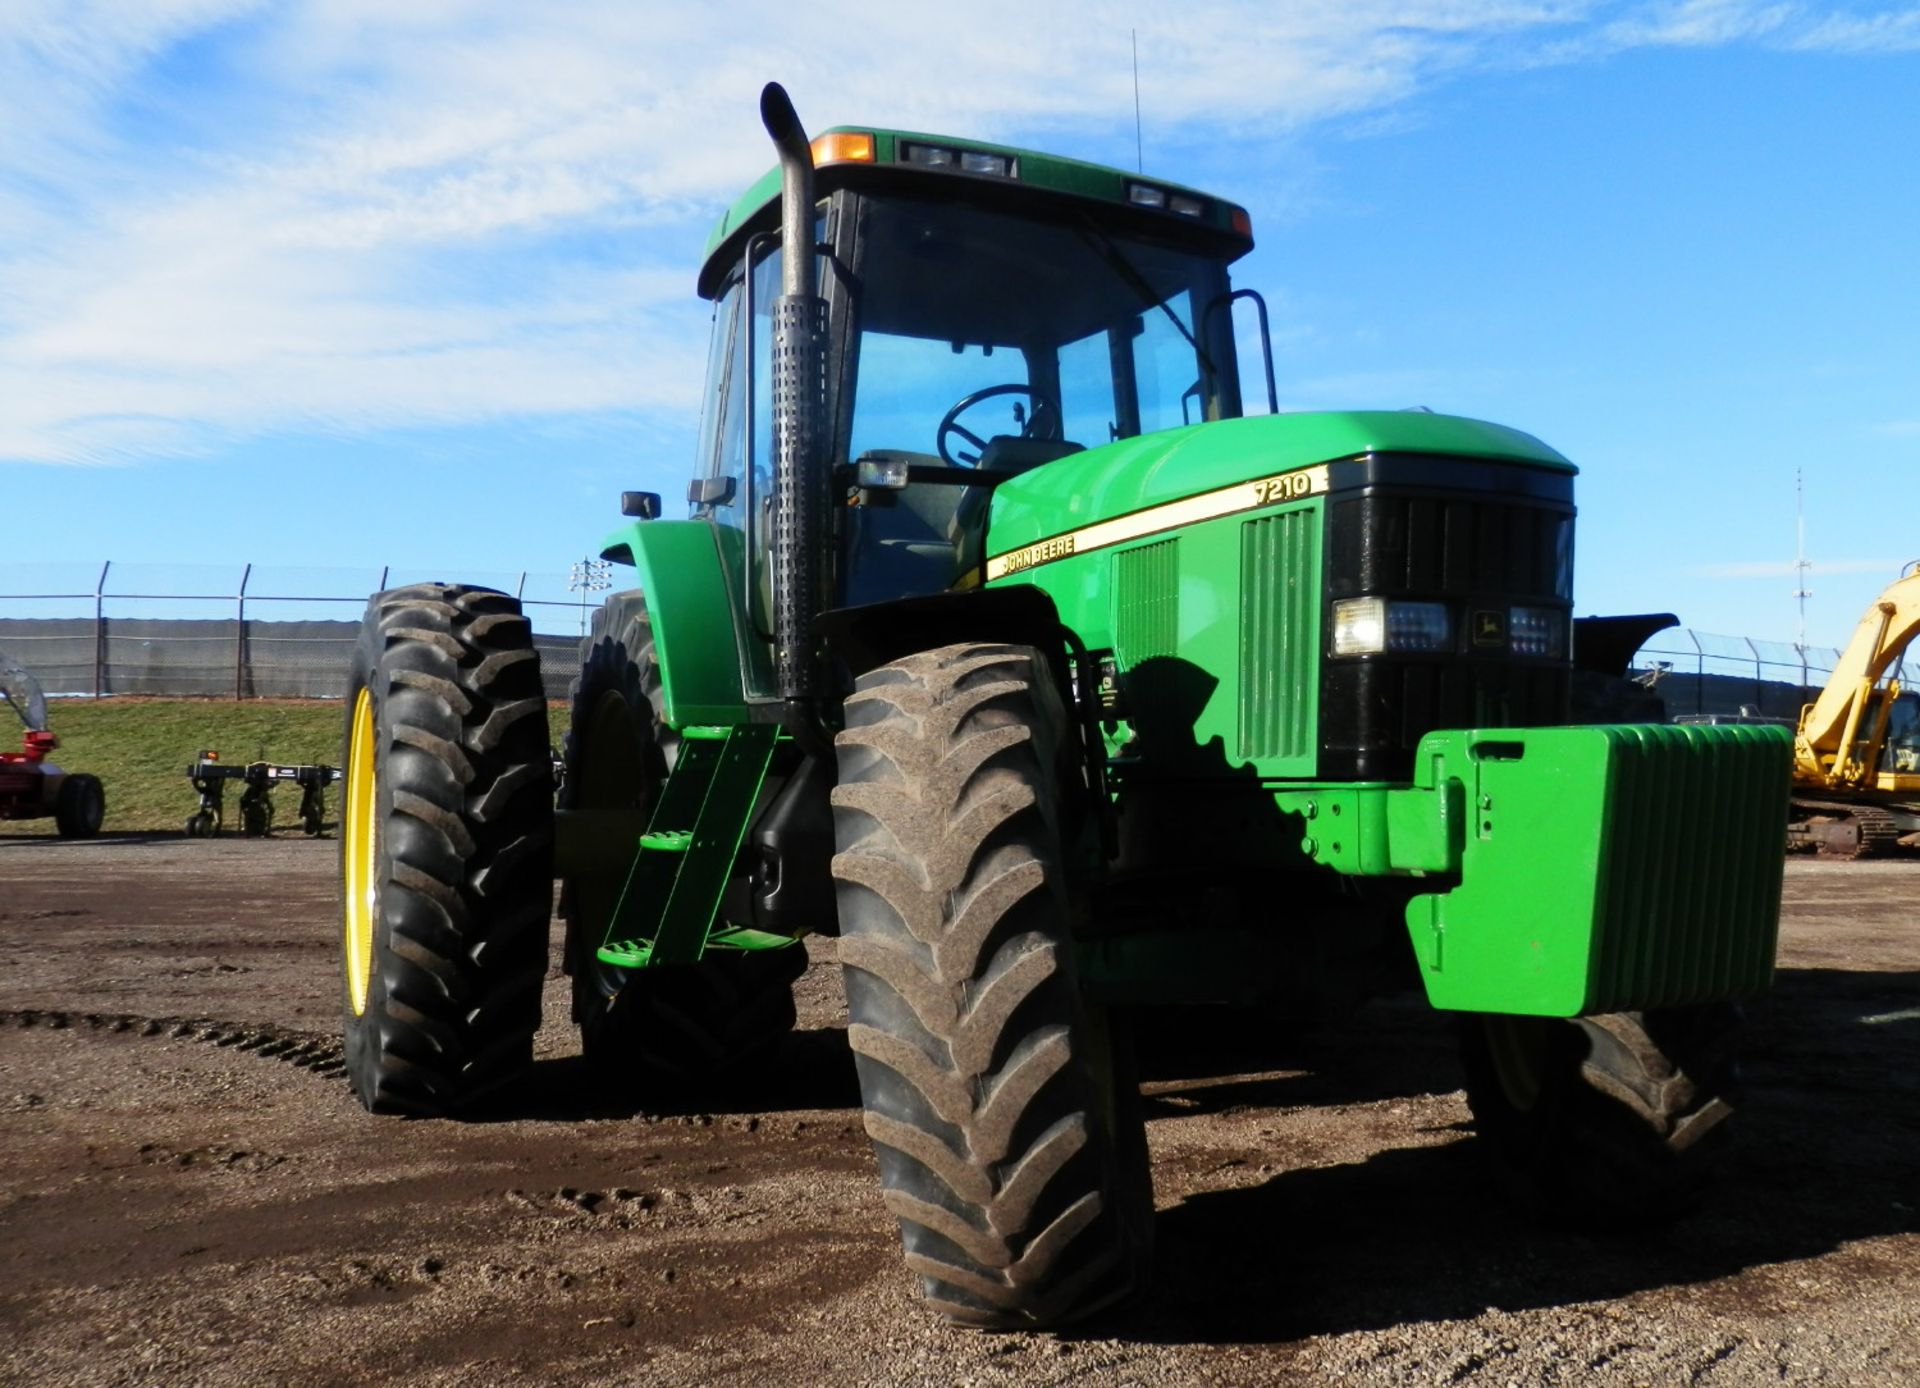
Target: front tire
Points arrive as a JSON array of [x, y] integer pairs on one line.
[[256, 818], [1006, 1150], [671, 1029], [1604, 1122], [79, 807], [446, 848]]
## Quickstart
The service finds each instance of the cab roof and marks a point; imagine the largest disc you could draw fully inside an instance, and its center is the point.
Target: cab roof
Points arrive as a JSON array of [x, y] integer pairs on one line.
[[908, 162]]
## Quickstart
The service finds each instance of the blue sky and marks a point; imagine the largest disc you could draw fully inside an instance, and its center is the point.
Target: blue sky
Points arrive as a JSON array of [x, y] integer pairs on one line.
[[369, 284]]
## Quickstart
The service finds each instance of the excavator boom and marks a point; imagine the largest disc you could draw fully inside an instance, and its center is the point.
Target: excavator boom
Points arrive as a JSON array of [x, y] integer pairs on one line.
[[1850, 796]]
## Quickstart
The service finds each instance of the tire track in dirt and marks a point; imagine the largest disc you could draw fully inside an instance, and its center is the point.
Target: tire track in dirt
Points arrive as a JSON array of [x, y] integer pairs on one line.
[[318, 1055]]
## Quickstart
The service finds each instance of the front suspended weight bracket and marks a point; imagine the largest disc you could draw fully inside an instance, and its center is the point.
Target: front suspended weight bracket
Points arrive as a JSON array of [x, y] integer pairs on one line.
[[1594, 869]]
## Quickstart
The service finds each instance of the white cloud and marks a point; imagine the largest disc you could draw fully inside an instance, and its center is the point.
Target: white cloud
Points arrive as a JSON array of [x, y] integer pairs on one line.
[[63, 58], [1896, 31], [1788, 25], [352, 214], [1691, 23]]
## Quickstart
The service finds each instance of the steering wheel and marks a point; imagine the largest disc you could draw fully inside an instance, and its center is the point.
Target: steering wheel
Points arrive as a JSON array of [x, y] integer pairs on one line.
[[1042, 422]]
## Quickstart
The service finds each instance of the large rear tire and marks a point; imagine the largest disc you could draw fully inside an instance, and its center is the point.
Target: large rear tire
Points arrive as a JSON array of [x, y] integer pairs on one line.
[[1609, 1121], [446, 848], [679, 1030], [1007, 1149], [79, 807]]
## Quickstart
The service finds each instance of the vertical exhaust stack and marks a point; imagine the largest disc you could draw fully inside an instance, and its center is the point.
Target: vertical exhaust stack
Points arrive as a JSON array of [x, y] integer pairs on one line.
[[799, 418]]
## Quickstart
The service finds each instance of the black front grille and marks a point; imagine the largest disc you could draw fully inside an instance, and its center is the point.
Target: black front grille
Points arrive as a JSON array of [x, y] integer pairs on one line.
[[1458, 547], [1480, 539]]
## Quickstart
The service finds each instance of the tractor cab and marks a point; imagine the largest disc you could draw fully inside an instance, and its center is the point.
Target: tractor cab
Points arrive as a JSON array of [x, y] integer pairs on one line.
[[21, 692], [1889, 741], [1902, 752], [986, 311]]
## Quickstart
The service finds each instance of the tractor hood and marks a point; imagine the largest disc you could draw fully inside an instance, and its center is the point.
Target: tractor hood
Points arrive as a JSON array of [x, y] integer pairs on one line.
[[1133, 475]]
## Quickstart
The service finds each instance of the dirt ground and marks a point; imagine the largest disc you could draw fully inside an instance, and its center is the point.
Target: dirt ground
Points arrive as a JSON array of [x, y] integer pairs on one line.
[[189, 1195]]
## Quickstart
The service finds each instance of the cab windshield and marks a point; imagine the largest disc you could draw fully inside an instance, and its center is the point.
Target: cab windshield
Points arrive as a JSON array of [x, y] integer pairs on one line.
[[972, 337], [975, 326]]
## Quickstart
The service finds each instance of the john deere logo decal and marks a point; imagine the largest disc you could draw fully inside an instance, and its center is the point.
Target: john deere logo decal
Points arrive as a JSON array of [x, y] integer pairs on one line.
[[1489, 629], [1297, 485]]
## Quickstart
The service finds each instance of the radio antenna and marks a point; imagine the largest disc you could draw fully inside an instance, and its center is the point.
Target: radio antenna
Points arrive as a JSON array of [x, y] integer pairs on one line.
[[1801, 565], [1139, 150]]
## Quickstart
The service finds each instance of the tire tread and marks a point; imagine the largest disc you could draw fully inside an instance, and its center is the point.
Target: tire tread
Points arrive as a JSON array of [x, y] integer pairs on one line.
[[965, 1019], [1630, 1126], [468, 843]]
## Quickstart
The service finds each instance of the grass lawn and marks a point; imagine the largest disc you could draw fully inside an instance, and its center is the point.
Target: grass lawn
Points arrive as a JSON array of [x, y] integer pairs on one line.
[[141, 748]]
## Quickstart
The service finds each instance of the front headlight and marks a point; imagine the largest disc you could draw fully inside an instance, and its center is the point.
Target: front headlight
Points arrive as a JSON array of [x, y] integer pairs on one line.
[[1374, 626], [1537, 631]]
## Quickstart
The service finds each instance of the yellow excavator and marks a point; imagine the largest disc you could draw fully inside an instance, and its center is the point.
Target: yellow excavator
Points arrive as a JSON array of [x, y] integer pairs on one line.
[[1856, 756]]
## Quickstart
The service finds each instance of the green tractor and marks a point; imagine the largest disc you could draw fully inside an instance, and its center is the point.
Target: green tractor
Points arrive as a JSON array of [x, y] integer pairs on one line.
[[1004, 645]]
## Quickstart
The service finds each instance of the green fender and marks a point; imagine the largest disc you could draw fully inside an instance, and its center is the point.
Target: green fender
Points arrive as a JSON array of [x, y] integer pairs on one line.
[[685, 581]]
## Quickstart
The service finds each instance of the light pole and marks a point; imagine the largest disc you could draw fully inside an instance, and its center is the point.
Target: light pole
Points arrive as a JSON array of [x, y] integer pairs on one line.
[[589, 576]]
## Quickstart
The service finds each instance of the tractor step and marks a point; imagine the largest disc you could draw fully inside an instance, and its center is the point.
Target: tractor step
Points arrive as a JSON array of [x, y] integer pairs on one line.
[[625, 954], [637, 954], [666, 913]]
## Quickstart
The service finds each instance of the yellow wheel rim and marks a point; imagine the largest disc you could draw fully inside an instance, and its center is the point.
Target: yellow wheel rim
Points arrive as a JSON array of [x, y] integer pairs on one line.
[[359, 838]]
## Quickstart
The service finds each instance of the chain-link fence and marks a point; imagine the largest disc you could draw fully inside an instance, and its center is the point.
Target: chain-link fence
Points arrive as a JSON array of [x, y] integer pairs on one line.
[[246, 631], [1698, 672], [275, 631]]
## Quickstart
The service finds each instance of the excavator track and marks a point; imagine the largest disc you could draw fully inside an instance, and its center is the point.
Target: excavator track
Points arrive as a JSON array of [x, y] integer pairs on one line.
[[1842, 830], [1879, 833]]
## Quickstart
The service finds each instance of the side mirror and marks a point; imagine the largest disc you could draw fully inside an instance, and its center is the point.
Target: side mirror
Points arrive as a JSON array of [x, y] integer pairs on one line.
[[710, 491], [641, 505]]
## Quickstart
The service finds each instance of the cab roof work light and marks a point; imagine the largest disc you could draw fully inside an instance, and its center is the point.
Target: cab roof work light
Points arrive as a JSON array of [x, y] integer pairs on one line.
[[991, 163], [1165, 200]]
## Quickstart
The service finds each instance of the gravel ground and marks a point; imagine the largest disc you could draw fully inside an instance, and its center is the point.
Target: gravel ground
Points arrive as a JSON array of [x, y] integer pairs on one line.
[[188, 1194]]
